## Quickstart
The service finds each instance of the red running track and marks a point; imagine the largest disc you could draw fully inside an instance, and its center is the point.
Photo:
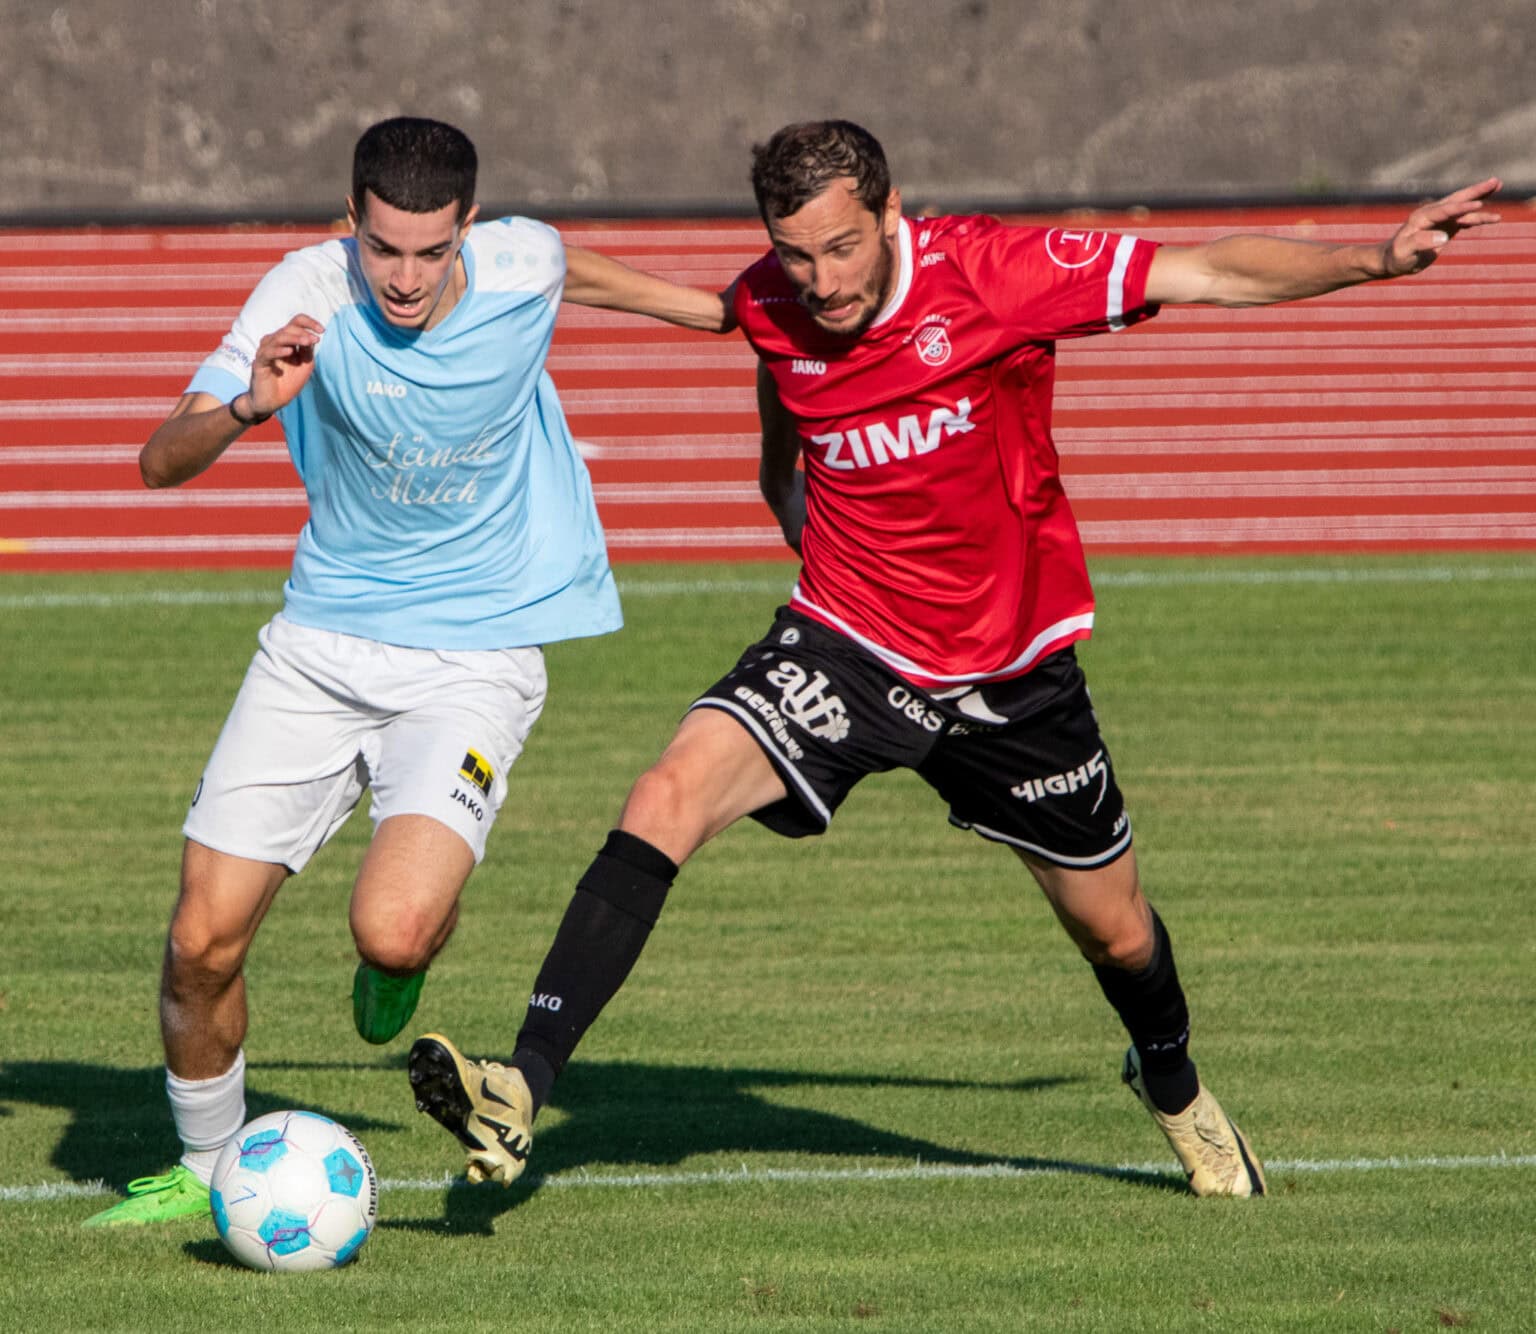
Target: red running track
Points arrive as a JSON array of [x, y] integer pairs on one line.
[[1390, 417]]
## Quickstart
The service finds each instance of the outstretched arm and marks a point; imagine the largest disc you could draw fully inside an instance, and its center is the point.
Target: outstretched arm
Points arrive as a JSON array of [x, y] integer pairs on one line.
[[1259, 270], [780, 481], [200, 427], [592, 279]]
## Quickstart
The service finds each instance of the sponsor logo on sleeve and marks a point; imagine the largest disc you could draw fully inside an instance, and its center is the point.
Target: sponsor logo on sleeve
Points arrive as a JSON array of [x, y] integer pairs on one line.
[[1074, 250], [235, 353]]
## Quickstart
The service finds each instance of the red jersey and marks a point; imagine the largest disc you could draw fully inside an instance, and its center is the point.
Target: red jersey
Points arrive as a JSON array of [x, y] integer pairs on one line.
[[937, 532]]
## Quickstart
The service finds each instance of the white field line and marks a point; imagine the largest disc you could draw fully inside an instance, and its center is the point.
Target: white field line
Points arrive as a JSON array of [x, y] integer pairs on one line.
[[246, 451], [692, 587], [757, 1176], [1511, 480], [660, 356], [1078, 446], [1152, 343], [639, 401], [1446, 437], [1325, 223], [1398, 324], [1280, 535], [737, 355], [612, 493], [1308, 530], [1445, 393], [1304, 530]]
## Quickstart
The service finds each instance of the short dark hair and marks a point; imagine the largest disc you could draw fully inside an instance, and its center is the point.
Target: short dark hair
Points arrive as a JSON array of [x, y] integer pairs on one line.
[[415, 164], [802, 160]]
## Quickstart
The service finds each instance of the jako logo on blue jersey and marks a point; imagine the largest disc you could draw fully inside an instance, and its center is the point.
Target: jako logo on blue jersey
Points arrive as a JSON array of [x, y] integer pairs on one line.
[[382, 388]]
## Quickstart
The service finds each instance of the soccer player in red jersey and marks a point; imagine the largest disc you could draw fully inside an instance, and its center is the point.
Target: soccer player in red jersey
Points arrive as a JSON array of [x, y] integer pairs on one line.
[[908, 362]]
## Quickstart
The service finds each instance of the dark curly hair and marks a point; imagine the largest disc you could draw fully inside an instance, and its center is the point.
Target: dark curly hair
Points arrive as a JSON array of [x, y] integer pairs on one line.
[[801, 160], [415, 164]]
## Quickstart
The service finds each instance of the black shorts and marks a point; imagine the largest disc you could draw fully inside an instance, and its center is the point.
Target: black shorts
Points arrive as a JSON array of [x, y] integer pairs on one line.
[[1018, 761]]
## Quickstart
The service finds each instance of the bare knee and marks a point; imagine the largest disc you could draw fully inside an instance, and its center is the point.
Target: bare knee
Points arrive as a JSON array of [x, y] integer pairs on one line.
[[406, 943], [1130, 948], [406, 899], [1102, 909], [222, 902], [711, 774], [659, 801], [200, 960]]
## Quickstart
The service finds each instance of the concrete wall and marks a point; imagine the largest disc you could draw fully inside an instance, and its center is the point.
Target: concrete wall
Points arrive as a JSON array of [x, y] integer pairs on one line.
[[183, 107]]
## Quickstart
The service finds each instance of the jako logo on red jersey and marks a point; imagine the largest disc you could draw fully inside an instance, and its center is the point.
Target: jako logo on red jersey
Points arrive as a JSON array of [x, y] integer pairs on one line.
[[870, 445], [932, 343], [1074, 250]]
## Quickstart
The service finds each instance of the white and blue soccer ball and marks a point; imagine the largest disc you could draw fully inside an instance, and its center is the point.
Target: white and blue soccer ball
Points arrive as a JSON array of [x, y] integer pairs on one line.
[[294, 1190]]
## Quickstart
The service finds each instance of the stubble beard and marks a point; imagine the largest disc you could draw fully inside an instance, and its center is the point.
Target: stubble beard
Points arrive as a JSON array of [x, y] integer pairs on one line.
[[882, 287]]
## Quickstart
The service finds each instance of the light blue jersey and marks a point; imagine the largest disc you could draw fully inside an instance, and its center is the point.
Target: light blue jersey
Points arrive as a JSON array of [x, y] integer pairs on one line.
[[449, 508]]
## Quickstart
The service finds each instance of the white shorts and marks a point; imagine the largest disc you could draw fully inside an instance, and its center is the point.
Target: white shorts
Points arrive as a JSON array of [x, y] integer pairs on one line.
[[321, 717]]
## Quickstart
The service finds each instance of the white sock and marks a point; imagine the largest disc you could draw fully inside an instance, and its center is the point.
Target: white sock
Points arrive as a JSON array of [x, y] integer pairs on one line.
[[207, 1113]]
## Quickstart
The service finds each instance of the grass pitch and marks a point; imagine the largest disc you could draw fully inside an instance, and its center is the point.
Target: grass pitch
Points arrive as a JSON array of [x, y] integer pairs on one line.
[[855, 1082]]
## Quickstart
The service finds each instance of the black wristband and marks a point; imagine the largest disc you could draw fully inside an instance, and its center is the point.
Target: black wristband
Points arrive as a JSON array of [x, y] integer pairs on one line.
[[246, 421]]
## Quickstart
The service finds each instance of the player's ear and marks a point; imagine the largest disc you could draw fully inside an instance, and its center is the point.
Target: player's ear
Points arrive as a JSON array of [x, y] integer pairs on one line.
[[469, 220], [890, 215], [352, 214]]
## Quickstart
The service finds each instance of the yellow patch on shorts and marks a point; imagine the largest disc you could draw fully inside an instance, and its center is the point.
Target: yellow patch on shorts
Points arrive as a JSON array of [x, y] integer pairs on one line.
[[478, 770]]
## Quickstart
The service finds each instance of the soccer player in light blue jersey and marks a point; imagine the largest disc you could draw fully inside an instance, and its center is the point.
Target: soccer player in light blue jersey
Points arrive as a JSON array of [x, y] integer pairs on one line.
[[451, 533]]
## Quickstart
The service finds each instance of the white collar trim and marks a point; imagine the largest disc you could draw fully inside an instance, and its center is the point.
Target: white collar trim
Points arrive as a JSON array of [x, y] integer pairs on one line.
[[904, 276]]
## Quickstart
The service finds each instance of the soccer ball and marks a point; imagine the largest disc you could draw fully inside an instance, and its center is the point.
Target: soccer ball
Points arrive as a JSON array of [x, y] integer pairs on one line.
[[294, 1190]]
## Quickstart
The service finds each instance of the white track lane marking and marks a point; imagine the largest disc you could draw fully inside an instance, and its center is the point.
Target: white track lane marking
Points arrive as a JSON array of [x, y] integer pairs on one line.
[[640, 588], [746, 1175]]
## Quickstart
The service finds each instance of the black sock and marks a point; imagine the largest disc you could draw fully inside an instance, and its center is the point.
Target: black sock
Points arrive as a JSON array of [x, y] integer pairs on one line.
[[1150, 1003], [604, 929]]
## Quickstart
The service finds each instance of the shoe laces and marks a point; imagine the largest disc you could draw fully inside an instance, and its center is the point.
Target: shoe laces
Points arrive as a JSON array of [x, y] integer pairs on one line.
[[1217, 1136], [166, 1181]]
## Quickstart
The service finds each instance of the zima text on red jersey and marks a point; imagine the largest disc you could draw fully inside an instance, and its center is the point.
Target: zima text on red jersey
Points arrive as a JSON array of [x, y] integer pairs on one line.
[[870, 444]]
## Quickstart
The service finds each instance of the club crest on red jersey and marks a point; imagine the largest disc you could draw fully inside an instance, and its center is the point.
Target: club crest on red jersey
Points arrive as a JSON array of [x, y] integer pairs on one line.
[[1074, 250], [932, 343]]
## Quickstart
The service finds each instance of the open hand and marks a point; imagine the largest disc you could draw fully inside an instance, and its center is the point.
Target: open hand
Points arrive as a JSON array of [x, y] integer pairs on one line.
[[1430, 227], [284, 361]]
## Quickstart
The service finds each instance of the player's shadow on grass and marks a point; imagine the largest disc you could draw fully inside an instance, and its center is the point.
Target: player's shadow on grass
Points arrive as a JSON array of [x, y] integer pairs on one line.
[[119, 1121], [648, 1117]]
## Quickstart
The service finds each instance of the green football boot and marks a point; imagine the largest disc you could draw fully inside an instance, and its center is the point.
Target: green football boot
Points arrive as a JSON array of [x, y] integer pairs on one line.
[[180, 1193], [382, 1005]]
